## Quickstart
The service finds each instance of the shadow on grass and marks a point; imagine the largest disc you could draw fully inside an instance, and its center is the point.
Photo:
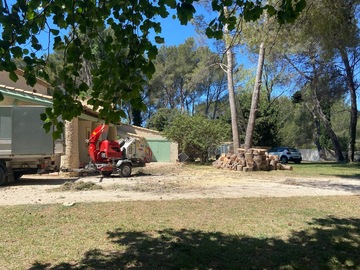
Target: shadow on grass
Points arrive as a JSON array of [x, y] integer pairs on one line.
[[330, 243], [352, 176], [42, 181], [331, 164], [337, 167], [352, 187]]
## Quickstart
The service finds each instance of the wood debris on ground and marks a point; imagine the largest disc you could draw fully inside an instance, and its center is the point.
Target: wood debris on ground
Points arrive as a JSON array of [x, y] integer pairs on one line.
[[247, 160]]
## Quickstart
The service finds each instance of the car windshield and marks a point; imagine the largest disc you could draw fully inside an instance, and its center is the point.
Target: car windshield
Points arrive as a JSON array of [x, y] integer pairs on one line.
[[293, 150]]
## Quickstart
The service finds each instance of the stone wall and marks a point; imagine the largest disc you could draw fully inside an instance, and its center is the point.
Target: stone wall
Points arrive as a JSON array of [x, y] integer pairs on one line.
[[71, 158]]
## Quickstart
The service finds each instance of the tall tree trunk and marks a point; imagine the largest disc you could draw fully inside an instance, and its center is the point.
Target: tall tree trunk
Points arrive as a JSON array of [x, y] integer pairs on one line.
[[255, 98], [319, 147], [216, 102], [353, 111], [182, 99], [230, 81], [334, 139], [241, 119]]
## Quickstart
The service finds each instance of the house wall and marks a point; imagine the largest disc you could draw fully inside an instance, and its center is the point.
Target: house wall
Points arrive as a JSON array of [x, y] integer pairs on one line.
[[41, 87], [85, 128], [155, 139], [140, 131]]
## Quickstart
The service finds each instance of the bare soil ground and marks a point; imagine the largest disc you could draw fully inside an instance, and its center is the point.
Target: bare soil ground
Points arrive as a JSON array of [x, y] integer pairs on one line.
[[159, 181]]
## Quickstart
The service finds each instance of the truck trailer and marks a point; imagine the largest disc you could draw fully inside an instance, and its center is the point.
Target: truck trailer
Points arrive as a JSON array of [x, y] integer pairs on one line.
[[25, 147]]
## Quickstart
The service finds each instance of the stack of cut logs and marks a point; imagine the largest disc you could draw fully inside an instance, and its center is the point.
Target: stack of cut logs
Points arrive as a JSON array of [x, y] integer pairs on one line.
[[250, 160]]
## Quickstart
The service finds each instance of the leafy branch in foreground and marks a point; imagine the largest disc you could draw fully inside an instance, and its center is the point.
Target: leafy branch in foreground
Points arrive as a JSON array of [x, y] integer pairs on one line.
[[128, 54]]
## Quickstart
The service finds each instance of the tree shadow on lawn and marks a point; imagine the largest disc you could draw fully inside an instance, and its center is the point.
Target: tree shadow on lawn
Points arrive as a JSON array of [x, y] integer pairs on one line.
[[330, 243], [325, 185], [42, 181], [352, 176], [339, 165]]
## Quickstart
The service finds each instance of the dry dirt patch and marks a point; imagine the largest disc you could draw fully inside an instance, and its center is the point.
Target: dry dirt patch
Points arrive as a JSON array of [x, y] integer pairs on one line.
[[159, 181]]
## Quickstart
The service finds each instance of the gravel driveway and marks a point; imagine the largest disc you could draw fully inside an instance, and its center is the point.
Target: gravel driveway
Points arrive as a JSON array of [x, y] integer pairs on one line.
[[172, 181]]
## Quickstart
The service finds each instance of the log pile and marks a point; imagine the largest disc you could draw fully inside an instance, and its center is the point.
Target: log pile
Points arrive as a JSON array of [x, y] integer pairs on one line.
[[250, 160]]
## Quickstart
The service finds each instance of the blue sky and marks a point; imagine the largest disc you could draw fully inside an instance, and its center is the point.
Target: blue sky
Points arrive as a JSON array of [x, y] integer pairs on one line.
[[175, 33], [172, 31]]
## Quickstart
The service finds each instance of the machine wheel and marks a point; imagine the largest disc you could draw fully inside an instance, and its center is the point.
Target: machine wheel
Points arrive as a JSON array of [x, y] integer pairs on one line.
[[106, 173], [2, 176], [284, 159], [125, 170]]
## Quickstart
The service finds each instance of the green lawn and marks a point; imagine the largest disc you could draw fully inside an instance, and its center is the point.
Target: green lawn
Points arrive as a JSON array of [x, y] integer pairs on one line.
[[246, 233], [348, 170]]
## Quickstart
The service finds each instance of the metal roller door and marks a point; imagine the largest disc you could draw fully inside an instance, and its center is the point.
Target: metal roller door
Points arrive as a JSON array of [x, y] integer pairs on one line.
[[160, 150]]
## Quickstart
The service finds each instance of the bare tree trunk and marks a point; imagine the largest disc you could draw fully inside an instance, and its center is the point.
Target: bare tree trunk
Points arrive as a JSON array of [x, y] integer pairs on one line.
[[318, 111], [229, 72], [242, 122], [182, 100], [334, 139], [255, 98], [319, 147], [353, 111]]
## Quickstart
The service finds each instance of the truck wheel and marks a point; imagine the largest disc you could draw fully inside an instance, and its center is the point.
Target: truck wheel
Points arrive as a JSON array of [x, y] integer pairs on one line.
[[125, 170], [2, 176], [106, 173]]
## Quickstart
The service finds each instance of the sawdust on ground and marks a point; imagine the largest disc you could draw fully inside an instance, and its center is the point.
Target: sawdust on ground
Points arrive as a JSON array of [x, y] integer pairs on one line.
[[165, 181]]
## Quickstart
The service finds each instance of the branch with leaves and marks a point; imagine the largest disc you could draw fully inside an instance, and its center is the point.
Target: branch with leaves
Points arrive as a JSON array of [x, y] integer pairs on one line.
[[129, 54]]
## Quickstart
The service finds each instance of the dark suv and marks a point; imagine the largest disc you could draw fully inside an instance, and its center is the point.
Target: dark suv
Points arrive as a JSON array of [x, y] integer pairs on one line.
[[286, 154]]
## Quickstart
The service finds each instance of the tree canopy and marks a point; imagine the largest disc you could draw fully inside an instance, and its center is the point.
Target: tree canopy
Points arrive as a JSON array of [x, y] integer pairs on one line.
[[197, 136], [128, 54]]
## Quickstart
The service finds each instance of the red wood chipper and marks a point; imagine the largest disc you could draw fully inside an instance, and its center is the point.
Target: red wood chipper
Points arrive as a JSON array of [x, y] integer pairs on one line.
[[109, 156]]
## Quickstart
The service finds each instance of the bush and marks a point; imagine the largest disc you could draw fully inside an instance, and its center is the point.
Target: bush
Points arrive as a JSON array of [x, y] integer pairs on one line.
[[196, 135]]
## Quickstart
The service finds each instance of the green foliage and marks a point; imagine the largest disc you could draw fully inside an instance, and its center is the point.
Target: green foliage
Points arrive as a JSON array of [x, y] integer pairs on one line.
[[320, 46], [197, 135], [297, 97], [128, 56], [296, 124], [340, 119], [136, 116], [266, 131], [185, 76], [171, 83], [162, 118], [266, 128], [286, 12]]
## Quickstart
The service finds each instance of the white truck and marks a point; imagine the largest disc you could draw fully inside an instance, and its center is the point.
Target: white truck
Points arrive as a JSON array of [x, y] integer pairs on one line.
[[25, 147]]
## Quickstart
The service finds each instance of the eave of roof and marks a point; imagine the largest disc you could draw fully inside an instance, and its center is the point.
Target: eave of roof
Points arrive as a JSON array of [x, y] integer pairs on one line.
[[41, 99], [141, 128], [27, 96]]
